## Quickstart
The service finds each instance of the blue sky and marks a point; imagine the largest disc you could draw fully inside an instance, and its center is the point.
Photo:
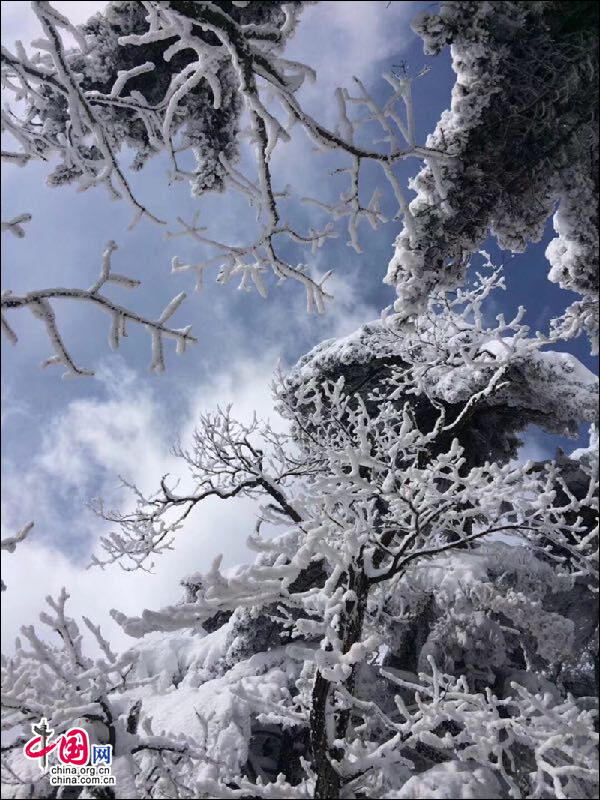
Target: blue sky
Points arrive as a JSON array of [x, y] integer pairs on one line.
[[66, 441]]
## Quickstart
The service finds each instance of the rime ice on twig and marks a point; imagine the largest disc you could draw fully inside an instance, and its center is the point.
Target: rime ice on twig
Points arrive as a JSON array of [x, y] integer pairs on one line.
[[94, 164], [10, 542], [14, 225], [39, 303]]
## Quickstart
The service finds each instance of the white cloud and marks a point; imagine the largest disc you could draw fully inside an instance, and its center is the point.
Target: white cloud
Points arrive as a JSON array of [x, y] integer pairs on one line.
[[11, 405]]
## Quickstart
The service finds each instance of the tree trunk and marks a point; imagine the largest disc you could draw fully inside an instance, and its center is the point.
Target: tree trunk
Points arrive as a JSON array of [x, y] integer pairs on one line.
[[329, 781]]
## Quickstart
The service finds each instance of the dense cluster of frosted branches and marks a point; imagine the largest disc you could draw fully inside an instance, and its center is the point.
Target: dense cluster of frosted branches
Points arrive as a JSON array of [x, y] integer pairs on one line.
[[169, 76], [97, 693], [377, 647], [184, 78], [522, 131], [479, 385], [122, 84], [420, 618], [239, 695]]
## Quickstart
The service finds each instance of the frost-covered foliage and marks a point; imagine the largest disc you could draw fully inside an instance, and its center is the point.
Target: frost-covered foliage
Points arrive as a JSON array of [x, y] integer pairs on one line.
[[230, 705], [382, 492], [523, 133], [453, 359], [132, 87], [494, 615]]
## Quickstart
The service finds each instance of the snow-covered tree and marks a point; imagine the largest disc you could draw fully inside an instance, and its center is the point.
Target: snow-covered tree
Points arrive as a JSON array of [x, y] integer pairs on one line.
[[521, 135], [384, 643], [399, 453]]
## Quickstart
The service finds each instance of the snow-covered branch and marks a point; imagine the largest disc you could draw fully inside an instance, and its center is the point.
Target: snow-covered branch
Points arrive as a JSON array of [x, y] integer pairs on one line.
[[64, 685], [228, 459], [521, 137], [39, 304]]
